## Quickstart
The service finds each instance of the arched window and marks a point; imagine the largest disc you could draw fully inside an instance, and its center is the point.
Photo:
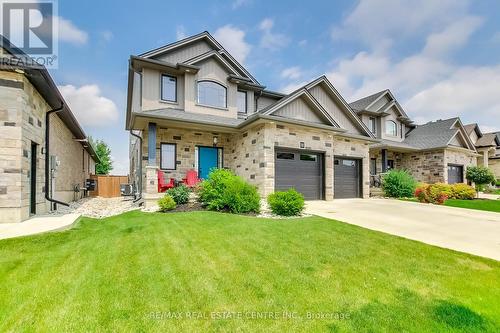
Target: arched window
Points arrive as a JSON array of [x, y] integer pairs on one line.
[[211, 93], [391, 128]]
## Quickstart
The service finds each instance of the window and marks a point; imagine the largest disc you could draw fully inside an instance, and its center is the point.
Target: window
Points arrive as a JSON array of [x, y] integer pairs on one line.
[[211, 94], [285, 156], [391, 128], [349, 163], [168, 88], [373, 166], [242, 101], [307, 157], [371, 124], [390, 164], [167, 156]]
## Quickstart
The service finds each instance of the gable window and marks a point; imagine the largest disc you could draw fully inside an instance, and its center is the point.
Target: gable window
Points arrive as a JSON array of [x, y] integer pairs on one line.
[[168, 88], [211, 93], [371, 124], [242, 101], [391, 128], [168, 159]]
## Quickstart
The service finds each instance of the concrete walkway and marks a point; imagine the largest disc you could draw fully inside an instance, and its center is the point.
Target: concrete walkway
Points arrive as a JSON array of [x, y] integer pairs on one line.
[[466, 230], [37, 225]]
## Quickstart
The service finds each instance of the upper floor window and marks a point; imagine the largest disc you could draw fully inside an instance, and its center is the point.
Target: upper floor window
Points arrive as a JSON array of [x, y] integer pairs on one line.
[[211, 93], [391, 128], [169, 88], [371, 124], [242, 101]]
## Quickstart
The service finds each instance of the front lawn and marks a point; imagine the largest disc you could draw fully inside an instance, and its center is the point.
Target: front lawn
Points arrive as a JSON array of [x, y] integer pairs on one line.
[[479, 204], [206, 271]]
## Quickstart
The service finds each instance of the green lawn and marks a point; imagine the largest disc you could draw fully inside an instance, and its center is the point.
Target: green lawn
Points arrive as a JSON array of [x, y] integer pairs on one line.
[[136, 271], [479, 204]]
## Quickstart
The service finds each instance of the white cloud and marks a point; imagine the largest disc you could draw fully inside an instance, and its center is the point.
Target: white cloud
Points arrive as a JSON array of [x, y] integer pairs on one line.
[[372, 20], [107, 35], [239, 3], [70, 33], [292, 73], [233, 40], [180, 32], [452, 37], [89, 106], [293, 86], [271, 40]]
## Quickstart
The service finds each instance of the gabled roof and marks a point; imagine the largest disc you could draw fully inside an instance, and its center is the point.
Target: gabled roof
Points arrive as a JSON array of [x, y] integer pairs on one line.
[[473, 127], [438, 134], [362, 105], [206, 36], [488, 140]]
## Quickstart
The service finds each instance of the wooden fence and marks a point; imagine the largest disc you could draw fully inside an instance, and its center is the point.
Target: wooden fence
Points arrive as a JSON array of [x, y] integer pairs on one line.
[[108, 186]]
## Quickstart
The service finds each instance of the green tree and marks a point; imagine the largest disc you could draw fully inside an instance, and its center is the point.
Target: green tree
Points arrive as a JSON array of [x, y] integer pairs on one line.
[[104, 153], [480, 176]]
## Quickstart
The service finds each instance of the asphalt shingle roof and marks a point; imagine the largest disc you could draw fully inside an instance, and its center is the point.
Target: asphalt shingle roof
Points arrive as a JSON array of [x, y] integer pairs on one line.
[[488, 139], [469, 128], [435, 134], [362, 103]]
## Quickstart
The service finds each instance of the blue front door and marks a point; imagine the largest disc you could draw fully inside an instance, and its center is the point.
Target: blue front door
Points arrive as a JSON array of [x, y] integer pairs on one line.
[[208, 159]]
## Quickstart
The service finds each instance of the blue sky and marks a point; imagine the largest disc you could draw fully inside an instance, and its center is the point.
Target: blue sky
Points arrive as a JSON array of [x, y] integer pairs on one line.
[[440, 58]]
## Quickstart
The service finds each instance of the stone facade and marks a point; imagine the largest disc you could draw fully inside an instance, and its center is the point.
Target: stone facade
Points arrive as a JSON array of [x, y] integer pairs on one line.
[[251, 153], [494, 165], [427, 166], [22, 124]]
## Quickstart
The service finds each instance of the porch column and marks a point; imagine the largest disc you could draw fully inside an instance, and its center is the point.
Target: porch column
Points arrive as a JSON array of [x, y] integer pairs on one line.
[[152, 144], [485, 158], [384, 160]]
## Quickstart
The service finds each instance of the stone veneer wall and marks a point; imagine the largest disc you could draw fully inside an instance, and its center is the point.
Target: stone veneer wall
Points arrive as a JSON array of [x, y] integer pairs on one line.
[[494, 165], [22, 121], [427, 167], [396, 157]]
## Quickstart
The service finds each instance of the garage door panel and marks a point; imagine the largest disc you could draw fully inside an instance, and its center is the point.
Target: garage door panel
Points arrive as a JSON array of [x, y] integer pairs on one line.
[[301, 171], [455, 174], [347, 178]]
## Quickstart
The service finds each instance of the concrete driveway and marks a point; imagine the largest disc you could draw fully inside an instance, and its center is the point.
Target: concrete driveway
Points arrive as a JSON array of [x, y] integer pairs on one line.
[[472, 231]]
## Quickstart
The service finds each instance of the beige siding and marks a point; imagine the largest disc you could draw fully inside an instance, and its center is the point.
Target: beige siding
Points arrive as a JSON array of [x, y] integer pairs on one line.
[[264, 101], [494, 165], [335, 110], [380, 103], [151, 91], [393, 115], [185, 53], [473, 137], [300, 110]]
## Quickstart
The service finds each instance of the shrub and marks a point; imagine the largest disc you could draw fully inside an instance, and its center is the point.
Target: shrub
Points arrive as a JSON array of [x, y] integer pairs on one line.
[[398, 184], [224, 191], [421, 193], [480, 176], [436, 190], [289, 203], [166, 203], [436, 193], [497, 183], [180, 194], [462, 191]]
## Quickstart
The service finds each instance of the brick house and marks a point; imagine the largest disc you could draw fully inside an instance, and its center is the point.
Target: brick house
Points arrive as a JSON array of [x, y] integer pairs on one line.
[[193, 106], [488, 147], [29, 100]]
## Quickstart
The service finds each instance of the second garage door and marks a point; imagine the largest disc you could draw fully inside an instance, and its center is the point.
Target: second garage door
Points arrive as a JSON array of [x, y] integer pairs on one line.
[[455, 174], [301, 170], [347, 178]]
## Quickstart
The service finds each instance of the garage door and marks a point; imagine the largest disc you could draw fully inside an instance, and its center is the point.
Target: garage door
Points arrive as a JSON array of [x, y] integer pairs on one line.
[[301, 170], [455, 174], [347, 178]]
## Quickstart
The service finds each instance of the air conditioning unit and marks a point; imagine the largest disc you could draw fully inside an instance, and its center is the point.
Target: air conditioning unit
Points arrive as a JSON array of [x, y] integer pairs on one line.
[[127, 189]]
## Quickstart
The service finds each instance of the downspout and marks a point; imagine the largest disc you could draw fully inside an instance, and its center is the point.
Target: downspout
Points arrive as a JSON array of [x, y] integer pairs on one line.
[[139, 166], [47, 156]]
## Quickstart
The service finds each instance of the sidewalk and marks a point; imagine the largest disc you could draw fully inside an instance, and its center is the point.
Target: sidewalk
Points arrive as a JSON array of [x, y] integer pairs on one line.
[[37, 225]]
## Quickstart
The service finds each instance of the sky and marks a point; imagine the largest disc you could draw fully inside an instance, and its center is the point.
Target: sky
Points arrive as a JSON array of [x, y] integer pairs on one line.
[[439, 58]]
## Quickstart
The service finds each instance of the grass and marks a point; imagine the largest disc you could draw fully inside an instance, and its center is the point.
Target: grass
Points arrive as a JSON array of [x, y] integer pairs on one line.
[[478, 204], [206, 271]]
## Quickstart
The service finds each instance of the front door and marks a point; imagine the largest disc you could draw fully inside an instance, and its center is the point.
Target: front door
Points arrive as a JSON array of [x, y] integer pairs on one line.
[[33, 179], [208, 160]]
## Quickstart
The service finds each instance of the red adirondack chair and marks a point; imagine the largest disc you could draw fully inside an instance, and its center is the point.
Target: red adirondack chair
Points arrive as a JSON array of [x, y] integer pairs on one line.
[[191, 178], [162, 186]]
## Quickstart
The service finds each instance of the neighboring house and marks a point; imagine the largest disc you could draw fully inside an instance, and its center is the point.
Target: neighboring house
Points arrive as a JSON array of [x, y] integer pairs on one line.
[[438, 151], [488, 146], [194, 106], [27, 96]]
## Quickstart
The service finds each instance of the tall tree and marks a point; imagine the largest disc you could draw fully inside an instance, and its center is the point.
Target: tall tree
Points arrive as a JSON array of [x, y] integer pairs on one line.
[[104, 153]]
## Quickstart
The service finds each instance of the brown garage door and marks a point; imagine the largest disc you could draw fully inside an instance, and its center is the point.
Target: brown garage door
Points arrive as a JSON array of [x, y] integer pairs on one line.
[[455, 173], [347, 178], [302, 170]]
